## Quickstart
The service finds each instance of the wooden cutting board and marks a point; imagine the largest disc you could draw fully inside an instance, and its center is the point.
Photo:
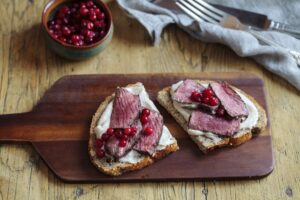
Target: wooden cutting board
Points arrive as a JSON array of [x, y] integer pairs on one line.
[[58, 129]]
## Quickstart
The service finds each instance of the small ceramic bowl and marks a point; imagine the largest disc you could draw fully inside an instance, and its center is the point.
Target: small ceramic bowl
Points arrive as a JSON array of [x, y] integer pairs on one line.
[[71, 51]]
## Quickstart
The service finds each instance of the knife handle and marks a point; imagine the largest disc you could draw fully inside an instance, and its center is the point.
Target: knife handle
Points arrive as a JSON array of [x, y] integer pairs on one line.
[[285, 28]]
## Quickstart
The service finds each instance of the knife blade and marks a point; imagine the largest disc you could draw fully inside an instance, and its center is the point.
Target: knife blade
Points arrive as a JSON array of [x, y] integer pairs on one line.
[[253, 19]]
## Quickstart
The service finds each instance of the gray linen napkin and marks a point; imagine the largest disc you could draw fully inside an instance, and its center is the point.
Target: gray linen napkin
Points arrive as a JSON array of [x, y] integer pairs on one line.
[[155, 19]]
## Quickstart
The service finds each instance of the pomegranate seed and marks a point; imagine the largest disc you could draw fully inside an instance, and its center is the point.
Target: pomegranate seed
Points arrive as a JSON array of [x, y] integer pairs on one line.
[[196, 96], [110, 131], [144, 119], [220, 112], [100, 153], [75, 38], [146, 112], [65, 10], [133, 131], [205, 100], [101, 15], [90, 25], [51, 31], [213, 101], [97, 11], [98, 143], [62, 39], [207, 93], [119, 133], [82, 5], [93, 17], [55, 35], [83, 11], [57, 26], [125, 137], [127, 131], [148, 131], [90, 4], [66, 31], [122, 143], [105, 137]]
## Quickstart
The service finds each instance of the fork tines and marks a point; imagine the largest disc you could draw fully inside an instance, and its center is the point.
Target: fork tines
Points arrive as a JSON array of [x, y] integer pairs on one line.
[[201, 11]]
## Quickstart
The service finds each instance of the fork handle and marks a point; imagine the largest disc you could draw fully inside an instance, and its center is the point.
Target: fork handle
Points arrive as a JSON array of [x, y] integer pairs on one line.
[[285, 28], [295, 54]]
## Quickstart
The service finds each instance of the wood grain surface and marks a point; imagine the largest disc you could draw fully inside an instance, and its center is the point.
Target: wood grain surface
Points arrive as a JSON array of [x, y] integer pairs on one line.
[[63, 115], [28, 69]]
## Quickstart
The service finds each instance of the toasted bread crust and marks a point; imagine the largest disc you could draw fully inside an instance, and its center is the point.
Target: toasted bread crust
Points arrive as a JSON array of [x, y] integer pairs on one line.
[[116, 168], [164, 98]]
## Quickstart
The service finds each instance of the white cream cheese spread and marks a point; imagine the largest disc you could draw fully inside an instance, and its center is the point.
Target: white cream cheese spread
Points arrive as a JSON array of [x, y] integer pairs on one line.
[[104, 121], [248, 123]]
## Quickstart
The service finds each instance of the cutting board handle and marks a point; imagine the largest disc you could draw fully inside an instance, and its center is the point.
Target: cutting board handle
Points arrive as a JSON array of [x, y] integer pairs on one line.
[[15, 127]]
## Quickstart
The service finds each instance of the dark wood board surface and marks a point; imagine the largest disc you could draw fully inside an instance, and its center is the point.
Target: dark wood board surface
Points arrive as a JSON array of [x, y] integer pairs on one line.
[[58, 128]]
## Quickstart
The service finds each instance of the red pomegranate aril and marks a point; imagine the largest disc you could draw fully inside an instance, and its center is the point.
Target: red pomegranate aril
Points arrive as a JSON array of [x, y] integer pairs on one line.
[[65, 10], [66, 31], [205, 100], [93, 17], [97, 11], [133, 131], [207, 93], [57, 26], [51, 31], [196, 96], [213, 101], [127, 131], [62, 39], [220, 112], [89, 40], [90, 25], [84, 11], [146, 112], [119, 133], [144, 119], [82, 5], [125, 137], [98, 143], [110, 131], [105, 137], [55, 35], [148, 131], [101, 15], [90, 4], [122, 143], [100, 153], [75, 38], [51, 23]]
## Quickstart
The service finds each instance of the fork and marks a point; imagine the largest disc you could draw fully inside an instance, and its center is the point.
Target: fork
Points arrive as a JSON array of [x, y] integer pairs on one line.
[[201, 11]]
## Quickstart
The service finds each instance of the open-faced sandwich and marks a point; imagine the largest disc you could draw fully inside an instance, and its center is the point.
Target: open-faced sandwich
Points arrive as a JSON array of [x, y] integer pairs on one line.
[[213, 113], [128, 133]]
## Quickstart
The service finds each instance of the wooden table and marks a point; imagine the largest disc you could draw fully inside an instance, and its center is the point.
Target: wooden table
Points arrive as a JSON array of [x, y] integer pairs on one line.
[[28, 69]]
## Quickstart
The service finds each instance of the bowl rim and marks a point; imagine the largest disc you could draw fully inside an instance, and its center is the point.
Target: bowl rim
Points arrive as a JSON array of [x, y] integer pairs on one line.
[[45, 21]]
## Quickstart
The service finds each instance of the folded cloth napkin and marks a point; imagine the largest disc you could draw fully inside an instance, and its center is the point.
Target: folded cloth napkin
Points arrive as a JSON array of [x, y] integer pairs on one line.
[[280, 62]]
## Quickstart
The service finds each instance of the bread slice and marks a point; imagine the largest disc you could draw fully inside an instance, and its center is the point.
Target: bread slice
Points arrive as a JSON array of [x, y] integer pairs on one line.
[[206, 144], [118, 168]]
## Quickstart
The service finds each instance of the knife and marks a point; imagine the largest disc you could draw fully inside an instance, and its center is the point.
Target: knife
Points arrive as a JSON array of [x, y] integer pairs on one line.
[[256, 20]]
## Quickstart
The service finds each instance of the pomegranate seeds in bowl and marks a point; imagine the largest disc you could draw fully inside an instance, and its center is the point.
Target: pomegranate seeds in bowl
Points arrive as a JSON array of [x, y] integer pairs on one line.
[[78, 23], [77, 29]]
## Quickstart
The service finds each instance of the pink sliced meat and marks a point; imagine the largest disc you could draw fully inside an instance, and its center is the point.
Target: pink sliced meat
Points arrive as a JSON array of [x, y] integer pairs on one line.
[[112, 145], [148, 143], [210, 123], [126, 109], [231, 101], [184, 91]]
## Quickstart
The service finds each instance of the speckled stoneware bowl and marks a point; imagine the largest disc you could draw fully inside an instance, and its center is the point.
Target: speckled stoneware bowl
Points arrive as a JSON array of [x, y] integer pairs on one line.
[[71, 51]]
